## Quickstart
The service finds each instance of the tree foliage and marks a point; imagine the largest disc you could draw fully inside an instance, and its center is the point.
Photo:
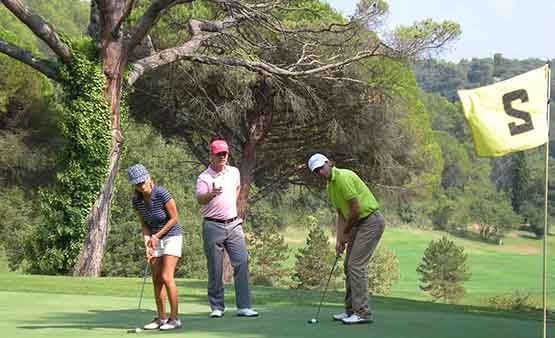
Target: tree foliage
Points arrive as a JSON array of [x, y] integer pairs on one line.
[[267, 255], [86, 129], [443, 270], [236, 34], [383, 271], [314, 261]]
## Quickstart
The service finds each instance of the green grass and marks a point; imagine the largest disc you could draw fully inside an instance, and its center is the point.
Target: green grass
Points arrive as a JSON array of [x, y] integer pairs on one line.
[[44, 306], [59, 306], [496, 269], [3, 261]]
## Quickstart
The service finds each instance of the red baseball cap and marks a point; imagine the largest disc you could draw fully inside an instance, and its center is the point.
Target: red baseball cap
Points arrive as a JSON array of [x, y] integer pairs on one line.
[[219, 146]]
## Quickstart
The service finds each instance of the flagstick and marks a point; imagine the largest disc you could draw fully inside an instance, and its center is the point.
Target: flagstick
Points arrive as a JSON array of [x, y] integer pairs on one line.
[[545, 232]]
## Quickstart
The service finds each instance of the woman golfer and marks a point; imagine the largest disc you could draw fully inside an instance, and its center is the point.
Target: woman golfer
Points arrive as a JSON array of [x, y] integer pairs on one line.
[[162, 237]]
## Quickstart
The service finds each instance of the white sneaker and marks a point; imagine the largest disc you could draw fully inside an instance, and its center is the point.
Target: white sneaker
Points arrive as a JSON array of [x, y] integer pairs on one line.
[[356, 319], [217, 314], [341, 316], [155, 324], [171, 324], [247, 312]]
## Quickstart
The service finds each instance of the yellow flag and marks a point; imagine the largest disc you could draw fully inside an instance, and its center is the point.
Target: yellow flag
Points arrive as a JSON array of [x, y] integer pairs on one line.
[[510, 115]]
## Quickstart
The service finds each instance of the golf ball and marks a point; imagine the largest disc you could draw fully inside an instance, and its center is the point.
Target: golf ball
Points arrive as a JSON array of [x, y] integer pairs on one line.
[[313, 320], [137, 330]]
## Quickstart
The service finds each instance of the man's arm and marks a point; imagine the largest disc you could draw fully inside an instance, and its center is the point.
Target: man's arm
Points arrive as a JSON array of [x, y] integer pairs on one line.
[[204, 196], [340, 237], [354, 214]]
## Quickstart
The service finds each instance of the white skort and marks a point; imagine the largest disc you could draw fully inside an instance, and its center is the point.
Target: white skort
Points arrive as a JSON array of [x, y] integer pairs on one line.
[[169, 246]]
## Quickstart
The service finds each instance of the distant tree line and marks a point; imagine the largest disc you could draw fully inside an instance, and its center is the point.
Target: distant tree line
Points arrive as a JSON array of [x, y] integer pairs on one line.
[[496, 192]]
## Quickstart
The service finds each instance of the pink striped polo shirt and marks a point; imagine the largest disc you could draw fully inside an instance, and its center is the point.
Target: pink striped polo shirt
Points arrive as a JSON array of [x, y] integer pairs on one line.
[[224, 205]]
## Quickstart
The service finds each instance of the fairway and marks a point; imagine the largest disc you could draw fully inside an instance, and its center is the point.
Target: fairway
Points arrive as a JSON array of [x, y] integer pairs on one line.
[[101, 313]]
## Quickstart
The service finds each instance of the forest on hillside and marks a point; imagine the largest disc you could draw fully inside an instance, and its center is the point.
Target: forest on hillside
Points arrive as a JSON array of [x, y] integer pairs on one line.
[[399, 125]]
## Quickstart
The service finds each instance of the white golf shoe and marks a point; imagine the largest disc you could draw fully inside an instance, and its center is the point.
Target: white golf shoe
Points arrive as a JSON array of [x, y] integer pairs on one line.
[[247, 312], [155, 324], [356, 319], [341, 316], [171, 325], [216, 313]]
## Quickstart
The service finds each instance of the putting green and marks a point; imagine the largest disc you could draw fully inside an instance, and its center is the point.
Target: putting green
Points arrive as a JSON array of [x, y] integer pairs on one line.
[[29, 314]]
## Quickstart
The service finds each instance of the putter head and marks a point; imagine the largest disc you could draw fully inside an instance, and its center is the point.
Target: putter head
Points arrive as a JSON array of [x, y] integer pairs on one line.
[[313, 321]]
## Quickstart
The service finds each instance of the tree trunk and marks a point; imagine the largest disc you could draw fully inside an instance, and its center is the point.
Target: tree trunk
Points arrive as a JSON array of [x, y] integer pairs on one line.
[[114, 59], [98, 221], [246, 168]]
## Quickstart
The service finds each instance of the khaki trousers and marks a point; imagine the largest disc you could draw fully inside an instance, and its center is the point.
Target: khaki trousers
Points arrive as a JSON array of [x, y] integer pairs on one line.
[[366, 236]]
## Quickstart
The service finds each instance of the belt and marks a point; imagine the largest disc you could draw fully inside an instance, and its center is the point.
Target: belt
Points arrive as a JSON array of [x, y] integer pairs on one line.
[[224, 221], [365, 218]]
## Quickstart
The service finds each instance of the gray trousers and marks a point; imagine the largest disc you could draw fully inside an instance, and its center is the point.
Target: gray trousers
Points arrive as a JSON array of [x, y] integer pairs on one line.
[[366, 236], [217, 237]]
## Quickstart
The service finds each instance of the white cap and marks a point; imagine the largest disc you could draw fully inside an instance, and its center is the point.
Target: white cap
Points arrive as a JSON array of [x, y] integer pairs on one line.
[[316, 161]]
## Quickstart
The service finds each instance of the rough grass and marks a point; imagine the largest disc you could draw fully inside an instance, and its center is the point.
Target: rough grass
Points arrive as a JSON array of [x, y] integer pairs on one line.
[[496, 269]]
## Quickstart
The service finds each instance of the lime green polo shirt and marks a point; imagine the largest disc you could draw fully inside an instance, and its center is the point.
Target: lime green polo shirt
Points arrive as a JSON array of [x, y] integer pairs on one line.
[[343, 186]]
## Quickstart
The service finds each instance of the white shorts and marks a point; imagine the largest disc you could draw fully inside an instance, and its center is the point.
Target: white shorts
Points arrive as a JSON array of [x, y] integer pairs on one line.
[[169, 246]]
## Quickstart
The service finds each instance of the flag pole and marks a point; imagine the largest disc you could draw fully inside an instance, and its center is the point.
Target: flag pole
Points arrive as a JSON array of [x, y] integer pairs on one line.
[[545, 230]]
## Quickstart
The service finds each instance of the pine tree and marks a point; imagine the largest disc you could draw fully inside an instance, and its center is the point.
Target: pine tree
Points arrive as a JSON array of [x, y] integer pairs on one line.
[[314, 260], [267, 254], [443, 270], [383, 271], [520, 182]]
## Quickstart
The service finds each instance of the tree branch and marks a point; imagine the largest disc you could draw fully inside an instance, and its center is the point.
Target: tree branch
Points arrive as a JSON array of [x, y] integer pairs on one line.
[[165, 57], [40, 28], [268, 69], [153, 13], [27, 58]]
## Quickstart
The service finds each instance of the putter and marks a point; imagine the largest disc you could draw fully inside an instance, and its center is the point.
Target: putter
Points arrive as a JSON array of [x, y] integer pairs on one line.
[[137, 329], [316, 318]]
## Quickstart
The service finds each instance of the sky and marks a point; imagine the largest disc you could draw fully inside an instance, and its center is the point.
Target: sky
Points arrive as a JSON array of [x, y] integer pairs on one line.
[[517, 29]]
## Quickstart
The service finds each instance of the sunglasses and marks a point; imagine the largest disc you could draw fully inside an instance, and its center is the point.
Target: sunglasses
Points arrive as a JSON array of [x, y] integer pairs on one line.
[[222, 154], [317, 170]]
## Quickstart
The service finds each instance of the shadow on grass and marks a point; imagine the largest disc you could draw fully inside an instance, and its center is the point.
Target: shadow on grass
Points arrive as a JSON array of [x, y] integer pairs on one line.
[[528, 236], [291, 321], [475, 237], [284, 313], [263, 296]]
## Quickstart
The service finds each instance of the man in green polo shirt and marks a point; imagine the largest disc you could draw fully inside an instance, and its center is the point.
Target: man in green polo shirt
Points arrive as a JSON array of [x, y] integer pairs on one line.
[[359, 227]]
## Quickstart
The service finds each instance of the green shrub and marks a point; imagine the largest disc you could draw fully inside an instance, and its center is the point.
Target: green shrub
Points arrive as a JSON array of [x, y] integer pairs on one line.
[[125, 251], [443, 270], [19, 217], [383, 271], [517, 301], [314, 261], [407, 213], [193, 262], [262, 214], [267, 255]]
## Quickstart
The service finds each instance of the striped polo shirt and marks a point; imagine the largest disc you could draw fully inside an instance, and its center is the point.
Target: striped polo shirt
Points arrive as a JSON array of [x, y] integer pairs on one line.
[[155, 215]]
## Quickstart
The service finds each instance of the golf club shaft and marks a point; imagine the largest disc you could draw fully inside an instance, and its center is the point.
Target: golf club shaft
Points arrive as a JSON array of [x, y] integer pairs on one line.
[[326, 288], [143, 286], [145, 272]]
